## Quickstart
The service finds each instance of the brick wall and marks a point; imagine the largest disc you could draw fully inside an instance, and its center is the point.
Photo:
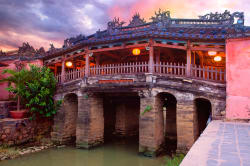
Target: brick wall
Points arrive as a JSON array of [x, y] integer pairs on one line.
[[18, 131]]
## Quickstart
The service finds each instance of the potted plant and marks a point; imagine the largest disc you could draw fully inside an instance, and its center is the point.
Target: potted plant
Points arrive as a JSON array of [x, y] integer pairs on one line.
[[17, 79]]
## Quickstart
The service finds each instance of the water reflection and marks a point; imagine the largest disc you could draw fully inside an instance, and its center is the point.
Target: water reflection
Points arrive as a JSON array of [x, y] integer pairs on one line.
[[119, 153]]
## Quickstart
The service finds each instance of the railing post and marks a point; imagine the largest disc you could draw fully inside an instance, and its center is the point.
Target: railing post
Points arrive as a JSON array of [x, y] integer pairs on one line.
[[188, 66], [87, 64], [63, 71], [151, 60]]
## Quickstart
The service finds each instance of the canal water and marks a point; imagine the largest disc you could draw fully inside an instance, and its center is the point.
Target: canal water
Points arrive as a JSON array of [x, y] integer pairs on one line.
[[111, 154]]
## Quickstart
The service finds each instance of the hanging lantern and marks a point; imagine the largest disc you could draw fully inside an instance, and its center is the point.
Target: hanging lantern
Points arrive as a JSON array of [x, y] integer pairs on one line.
[[212, 53], [136, 51], [217, 58], [69, 64]]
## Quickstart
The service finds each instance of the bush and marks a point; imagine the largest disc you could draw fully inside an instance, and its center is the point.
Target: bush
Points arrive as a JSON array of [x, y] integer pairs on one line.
[[176, 160], [39, 91]]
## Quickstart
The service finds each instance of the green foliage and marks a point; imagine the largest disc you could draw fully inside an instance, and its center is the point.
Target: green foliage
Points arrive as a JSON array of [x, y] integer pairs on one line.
[[176, 160], [17, 80], [147, 109], [36, 87], [39, 91]]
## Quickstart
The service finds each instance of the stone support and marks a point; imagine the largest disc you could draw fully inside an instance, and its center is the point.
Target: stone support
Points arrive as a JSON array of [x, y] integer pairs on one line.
[[64, 128], [187, 128], [90, 122], [151, 126]]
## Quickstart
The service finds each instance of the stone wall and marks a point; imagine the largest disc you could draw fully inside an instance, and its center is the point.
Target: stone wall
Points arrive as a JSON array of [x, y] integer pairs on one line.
[[127, 117], [18, 131], [238, 80]]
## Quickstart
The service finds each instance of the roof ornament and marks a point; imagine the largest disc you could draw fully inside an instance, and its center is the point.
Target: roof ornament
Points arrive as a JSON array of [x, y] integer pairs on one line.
[[162, 18], [73, 40], [136, 20], [225, 18], [115, 24], [2, 53]]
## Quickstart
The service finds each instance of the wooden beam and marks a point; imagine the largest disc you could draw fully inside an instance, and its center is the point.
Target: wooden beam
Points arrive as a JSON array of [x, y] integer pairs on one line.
[[170, 46], [119, 48], [207, 49]]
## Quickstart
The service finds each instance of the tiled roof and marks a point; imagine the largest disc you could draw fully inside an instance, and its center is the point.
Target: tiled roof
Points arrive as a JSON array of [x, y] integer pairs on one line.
[[210, 27]]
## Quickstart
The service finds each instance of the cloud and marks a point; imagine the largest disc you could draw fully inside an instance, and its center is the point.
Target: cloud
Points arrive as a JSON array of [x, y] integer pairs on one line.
[[43, 21]]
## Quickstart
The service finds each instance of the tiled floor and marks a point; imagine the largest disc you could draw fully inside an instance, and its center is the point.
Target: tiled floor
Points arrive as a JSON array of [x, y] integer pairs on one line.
[[221, 144]]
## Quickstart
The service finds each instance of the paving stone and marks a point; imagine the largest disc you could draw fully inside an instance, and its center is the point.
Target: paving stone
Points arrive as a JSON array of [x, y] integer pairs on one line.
[[228, 146]]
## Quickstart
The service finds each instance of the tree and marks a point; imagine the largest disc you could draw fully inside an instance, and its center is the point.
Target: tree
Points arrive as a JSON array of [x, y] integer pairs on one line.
[[17, 80]]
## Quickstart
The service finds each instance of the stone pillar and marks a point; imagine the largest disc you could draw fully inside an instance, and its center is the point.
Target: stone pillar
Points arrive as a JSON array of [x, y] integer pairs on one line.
[[57, 134], [151, 126], [64, 128], [188, 65], [90, 122], [186, 122]]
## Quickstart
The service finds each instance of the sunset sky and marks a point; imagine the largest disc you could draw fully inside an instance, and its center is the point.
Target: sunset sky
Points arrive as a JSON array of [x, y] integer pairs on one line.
[[41, 22]]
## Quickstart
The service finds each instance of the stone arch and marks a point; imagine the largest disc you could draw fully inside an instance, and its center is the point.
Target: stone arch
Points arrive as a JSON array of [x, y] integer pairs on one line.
[[167, 103], [203, 114]]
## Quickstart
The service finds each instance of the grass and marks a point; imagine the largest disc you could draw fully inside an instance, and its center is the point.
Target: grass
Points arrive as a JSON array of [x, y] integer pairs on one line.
[[175, 161]]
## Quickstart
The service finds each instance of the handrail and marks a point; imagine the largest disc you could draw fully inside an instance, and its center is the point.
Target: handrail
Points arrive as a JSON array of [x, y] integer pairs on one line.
[[209, 73]]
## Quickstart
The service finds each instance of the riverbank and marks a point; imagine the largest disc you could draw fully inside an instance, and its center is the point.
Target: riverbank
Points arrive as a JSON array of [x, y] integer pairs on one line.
[[12, 152]]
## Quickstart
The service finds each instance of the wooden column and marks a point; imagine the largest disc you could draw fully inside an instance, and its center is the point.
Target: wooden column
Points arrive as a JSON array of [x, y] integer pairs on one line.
[[97, 60], [201, 60], [188, 65], [55, 70], [157, 57], [157, 60], [63, 71], [87, 64], [151, 60]]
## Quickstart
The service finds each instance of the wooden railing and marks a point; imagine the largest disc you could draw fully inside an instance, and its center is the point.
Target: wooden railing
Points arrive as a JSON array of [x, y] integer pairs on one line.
[[71, 75], [163, 68], [58, 78], [166, 68], [123, 68], [209, 73]]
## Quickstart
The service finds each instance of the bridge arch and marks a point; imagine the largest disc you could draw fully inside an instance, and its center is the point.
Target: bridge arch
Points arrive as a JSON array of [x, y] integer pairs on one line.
[[167, 104], [203, 114]]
